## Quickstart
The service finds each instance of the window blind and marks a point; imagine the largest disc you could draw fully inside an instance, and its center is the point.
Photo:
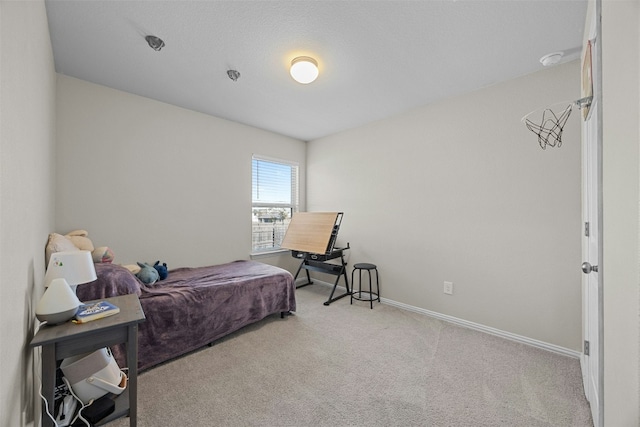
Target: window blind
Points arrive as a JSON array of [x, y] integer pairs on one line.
[[274, 184]]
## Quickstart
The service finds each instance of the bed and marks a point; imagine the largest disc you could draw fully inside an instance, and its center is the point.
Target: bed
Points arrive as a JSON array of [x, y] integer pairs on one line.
[[193, 307]]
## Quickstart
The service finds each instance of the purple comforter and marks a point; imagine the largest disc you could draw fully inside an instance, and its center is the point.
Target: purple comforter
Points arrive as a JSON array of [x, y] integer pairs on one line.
[[193, 307]]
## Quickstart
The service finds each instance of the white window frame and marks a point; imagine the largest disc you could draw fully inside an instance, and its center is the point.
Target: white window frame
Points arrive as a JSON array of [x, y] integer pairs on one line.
[[257, 231]]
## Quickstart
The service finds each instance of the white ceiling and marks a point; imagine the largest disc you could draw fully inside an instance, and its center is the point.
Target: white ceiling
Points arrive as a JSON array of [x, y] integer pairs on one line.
[[376, 58]]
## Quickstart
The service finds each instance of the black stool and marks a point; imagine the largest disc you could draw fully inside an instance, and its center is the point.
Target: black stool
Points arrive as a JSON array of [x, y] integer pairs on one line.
[[368, 267]]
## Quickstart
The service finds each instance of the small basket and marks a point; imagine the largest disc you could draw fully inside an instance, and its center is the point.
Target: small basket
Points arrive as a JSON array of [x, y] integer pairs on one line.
[[92, 375]]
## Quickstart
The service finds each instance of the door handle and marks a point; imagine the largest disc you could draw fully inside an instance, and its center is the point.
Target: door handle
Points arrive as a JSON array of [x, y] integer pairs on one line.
[[588, 268]]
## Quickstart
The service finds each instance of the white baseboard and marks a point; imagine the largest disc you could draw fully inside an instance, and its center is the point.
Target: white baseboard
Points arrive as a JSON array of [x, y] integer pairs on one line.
[[475, 326]]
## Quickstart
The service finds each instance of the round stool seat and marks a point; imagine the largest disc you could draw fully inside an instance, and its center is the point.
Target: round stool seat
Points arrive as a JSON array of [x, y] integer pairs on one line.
[[361, 295], [364, 266]]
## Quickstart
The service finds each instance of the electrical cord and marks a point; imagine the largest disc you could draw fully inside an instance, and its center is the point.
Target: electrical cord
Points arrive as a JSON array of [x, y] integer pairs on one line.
[[79, 414], [53, 419], [46, 403], [41, 324]]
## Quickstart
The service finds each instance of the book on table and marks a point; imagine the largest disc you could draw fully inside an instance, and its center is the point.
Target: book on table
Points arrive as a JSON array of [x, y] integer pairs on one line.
[[94, 311]]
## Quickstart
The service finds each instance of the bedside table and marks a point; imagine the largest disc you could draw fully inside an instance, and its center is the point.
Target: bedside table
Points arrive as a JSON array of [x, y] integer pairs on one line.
[[70, 339]]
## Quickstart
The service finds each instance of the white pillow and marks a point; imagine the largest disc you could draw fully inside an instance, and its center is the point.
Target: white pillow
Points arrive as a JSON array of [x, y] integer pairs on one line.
[[58, 243]]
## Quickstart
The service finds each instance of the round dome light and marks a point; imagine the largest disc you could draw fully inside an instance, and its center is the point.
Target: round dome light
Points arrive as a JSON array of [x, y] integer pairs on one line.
[[304, 69], [551, 59]]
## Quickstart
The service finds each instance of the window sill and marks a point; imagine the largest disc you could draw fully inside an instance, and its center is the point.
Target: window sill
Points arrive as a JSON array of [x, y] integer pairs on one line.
[[266, 254]]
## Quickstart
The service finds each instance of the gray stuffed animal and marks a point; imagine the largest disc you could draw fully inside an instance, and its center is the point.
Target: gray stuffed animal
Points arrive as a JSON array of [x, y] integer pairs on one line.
[[147, 274]]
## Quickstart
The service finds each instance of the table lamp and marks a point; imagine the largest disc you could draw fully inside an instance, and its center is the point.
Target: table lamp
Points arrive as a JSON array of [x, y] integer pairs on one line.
[[76, 267], [66, 270]]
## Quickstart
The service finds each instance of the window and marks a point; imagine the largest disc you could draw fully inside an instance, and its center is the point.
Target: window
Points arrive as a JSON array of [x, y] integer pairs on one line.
[[274, 199]]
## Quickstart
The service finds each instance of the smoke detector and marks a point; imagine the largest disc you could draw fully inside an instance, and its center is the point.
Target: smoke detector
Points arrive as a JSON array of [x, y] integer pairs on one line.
[[551, 59]]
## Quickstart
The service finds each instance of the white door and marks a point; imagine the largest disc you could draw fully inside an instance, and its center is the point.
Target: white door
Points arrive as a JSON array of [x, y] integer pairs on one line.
[[591, 288], [592, 360]]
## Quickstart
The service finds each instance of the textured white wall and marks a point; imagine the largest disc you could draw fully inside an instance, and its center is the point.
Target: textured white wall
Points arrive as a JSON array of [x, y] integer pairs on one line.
[[621, 176], [154, 181], [27, 131], [460, 191]]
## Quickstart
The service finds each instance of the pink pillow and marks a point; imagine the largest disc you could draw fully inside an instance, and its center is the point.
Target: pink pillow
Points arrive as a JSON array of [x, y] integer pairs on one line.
[[102, 254]]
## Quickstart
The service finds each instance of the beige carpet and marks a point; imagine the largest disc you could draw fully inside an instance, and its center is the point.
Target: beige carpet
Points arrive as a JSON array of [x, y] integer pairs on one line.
[[347, 365]]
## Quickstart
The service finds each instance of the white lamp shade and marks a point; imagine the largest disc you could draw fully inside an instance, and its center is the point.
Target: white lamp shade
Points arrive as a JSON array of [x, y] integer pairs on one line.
[[58, 304], [304, 69], [76, 267]]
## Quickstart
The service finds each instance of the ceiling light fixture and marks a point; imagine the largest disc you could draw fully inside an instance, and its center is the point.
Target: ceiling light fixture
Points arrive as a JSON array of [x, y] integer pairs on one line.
[[304, 69], [551, 59], [156, 43]]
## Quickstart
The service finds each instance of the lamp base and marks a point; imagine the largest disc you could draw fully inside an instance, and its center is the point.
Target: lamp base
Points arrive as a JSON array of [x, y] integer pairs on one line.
[[57, 318]]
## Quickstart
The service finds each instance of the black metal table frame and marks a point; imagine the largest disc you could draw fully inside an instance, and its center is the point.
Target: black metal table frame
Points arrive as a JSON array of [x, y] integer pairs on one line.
[[316, 262]]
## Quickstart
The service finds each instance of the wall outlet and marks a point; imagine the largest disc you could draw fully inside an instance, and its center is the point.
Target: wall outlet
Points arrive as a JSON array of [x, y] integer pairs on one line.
[[448, 288]]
